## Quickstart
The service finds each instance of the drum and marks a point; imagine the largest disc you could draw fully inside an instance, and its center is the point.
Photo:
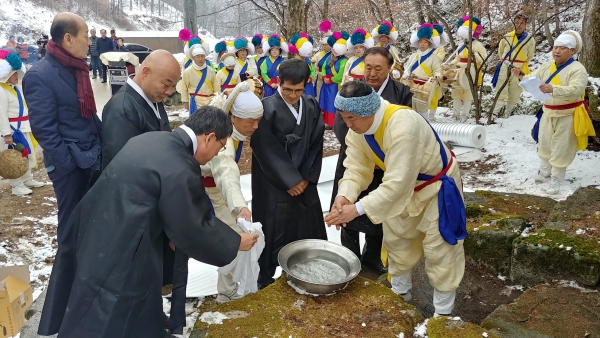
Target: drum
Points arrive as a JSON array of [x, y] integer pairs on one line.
[[422, 90], [257, 87], [450, 74], [397, 66]]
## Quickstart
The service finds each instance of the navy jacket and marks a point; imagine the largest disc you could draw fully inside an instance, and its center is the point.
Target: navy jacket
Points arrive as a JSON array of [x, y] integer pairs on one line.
[[68, 139], [104, 45]]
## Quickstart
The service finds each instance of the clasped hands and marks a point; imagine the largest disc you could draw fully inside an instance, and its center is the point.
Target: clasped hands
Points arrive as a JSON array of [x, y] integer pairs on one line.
[[341, 213], [298, 188]]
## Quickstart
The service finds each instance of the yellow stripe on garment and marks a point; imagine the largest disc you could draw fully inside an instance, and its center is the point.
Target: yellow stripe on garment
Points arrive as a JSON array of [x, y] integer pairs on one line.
[[236, 144], [582, 124], [34, 144], [13, 91], [520, 56], [389, 111]]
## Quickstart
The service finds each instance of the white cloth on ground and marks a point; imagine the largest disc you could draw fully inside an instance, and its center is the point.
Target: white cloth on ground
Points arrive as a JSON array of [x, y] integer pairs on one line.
[[246, 263]]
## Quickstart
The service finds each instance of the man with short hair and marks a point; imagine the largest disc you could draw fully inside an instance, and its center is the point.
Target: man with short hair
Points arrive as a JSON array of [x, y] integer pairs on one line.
[[287, 153], [419, 201], [121, 46], [518, 48], [378, 62], [563, 124], [62, 114], [113, 40], [94, 55], [106, 280], [103, 45]]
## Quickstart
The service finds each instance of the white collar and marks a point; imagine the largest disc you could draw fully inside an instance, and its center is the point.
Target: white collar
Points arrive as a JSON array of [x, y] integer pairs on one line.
[[297, 115], [378, 118], [423, 53], [141, 92], [383, 85], [196, 67], [192, 135]]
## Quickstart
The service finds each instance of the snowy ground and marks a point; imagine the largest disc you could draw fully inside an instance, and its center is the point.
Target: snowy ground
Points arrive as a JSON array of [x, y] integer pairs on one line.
[[511, 152], [24, 18]]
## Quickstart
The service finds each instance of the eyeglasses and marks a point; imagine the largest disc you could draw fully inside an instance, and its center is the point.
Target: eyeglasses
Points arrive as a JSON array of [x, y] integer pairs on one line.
[[223, 146], [289, 91]]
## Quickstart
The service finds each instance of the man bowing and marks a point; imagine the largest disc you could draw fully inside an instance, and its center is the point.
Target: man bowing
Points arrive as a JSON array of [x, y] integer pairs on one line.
[[108, 282]]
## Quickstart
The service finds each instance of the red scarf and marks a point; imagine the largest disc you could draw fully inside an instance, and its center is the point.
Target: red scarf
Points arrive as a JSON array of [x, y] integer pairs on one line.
[[79, 68]]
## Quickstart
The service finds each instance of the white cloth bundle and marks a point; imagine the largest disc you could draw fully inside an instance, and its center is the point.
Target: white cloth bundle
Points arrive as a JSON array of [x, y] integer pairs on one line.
[[246, 263]]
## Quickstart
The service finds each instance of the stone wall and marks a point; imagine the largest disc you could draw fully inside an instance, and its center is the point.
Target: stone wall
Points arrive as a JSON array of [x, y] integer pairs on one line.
[[535, 239]]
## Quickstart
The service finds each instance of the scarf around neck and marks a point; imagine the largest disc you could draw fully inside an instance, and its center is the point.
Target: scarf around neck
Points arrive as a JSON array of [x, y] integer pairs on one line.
[[81, 72]]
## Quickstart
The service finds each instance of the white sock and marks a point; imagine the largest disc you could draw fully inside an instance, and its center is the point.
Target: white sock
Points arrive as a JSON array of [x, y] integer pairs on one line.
[[402, 283], [443, 301], [457, 108]]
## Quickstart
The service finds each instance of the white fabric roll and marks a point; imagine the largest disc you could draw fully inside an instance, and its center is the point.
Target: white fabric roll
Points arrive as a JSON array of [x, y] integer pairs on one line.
[[460, 134]]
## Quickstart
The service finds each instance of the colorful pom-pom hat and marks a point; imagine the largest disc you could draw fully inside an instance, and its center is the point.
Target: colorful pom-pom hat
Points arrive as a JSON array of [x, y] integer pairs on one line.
[[9, 64], [463, 27], [444, 39], [241, 42], [325, 28], [275, 41], [385, 28], [301, 44], [338, 42], [428, 32], [360, 37]]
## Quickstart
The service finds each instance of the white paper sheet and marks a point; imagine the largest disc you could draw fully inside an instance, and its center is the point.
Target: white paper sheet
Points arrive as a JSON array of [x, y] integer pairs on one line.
[[532, 85]]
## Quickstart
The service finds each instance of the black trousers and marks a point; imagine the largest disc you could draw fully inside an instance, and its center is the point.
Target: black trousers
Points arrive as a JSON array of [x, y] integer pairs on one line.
[[104, 71], [69, 190], [180, 277]]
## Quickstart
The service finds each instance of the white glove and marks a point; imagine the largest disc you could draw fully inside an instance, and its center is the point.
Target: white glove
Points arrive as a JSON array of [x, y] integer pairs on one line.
[[395, 74]]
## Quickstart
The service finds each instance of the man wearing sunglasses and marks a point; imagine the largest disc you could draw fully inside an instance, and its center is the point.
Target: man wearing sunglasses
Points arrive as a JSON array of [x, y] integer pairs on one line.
[[287, 151]]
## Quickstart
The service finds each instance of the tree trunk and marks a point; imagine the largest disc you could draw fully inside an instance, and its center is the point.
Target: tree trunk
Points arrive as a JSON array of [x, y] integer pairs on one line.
[[590, 55], [547, 23], [325, 10], [419, 11], [295, 20], [189, 16], [556, 17]]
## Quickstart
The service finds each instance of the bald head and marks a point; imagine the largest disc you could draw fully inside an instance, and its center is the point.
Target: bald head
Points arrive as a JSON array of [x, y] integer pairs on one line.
[[158, 75], [70, 31], [66, 23]]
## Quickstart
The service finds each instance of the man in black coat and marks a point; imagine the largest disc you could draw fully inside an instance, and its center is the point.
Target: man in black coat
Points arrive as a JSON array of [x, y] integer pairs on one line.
[[287, 153], [378, 62], [137, 107], [62, 113], [106, 281], [104, 45]]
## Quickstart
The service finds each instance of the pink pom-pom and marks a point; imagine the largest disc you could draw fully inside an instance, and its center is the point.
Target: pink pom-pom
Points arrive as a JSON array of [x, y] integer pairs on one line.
[[4, 53], [293, 49], [185, 35], [337, 35], [304, 35], [387, 23], [325, 26], [465, 18], [361, 31]]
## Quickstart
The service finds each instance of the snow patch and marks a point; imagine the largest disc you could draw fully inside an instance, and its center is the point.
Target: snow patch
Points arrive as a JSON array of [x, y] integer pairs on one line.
[[421, 330], [212, 318], [574, 285]]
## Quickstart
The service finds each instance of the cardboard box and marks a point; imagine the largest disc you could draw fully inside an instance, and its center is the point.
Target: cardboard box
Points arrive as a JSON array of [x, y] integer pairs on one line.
[[15, 298]]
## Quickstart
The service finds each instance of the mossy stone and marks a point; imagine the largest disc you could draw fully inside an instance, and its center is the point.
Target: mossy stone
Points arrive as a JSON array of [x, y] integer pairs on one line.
[[553, 254], [490, 250], [547, 311], [278, 311], [442, 327]]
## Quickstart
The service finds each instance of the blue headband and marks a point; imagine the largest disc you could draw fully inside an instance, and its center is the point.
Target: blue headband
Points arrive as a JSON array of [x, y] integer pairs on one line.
[[363, 106]]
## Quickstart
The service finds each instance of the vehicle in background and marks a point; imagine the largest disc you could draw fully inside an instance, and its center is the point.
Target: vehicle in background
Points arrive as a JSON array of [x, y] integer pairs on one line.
[[138, 50]]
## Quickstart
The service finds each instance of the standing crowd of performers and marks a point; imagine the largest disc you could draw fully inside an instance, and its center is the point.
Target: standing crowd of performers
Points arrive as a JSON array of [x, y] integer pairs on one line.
[[137, 199]]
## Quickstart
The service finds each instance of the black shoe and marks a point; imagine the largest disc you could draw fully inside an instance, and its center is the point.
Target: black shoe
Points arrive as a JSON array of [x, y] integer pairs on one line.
[[93, 77], [376, 266], [103, 81]]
